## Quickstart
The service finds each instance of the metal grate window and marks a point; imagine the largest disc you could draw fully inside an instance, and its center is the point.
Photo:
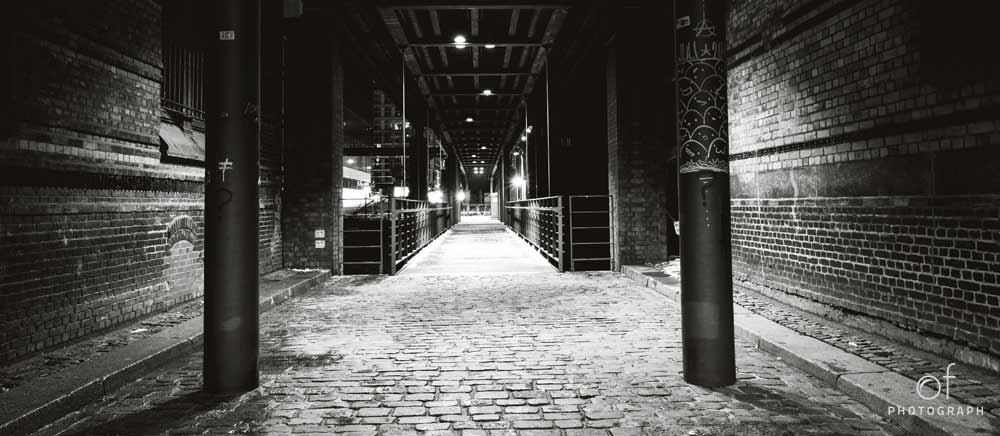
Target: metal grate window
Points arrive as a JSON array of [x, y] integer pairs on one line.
[[183, 62], [183, 81]]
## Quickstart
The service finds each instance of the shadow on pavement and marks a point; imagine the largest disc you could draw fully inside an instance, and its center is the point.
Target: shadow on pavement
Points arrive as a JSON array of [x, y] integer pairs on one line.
[[177, 414]]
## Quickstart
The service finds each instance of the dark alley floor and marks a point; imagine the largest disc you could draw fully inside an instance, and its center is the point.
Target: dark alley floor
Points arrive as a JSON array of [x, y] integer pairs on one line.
[[430, 352]]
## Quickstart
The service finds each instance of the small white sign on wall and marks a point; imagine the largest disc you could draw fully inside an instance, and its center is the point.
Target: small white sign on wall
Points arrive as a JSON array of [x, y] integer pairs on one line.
[[320, 233], [320, 243]]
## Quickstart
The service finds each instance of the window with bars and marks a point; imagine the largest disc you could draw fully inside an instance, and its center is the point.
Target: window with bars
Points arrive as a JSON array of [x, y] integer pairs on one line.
[[182, 92]]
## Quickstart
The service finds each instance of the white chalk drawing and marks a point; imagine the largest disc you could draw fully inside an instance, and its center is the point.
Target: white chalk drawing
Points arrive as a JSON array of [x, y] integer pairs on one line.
[[705, 29], [701, 85], [224, 166]]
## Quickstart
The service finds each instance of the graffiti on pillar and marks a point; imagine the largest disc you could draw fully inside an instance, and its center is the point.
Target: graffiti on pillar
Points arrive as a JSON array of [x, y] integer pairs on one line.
[[701, 89], [224, 166]]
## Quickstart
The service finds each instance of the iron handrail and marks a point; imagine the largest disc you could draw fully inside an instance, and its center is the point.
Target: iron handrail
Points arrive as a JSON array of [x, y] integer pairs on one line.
[[540, 223], [412, 225]]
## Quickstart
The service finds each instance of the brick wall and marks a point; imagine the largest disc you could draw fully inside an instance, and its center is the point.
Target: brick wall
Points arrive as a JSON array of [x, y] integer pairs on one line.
[[640, 139], [315, 138], [865, 145], [95, 228]]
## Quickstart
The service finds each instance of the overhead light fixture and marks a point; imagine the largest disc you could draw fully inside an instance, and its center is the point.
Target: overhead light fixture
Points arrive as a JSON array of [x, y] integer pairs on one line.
[[460, 196], [487, 92], [459, 39], [529, 129], [350, 161], [469, 119], [368, 167], [491, 46], [473, 155], [524, 137], [517, 181], [482, 148], [517, 153]]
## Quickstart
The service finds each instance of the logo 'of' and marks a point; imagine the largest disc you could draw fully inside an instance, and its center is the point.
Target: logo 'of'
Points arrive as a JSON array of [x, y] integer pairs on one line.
[[925, 381]]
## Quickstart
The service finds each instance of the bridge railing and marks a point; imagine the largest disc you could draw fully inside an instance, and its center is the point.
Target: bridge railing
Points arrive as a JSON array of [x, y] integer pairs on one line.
[[412, 225], [380, 237], [575, 233], [539, 221], [591, 233]]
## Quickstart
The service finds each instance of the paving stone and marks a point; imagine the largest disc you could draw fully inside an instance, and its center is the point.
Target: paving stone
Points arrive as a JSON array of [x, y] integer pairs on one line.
[[607, 349]]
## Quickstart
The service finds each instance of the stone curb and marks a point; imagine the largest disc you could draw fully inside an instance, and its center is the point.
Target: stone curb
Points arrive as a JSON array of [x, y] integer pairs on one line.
[[868, 383], [29, 407]]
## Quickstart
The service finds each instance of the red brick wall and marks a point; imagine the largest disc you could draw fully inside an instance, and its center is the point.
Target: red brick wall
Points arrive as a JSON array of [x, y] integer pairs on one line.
[[95, 230], [862, 176]]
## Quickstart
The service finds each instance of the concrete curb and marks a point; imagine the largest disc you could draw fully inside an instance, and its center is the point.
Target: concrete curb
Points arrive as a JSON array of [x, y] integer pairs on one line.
[[868, 383], [29, 407]]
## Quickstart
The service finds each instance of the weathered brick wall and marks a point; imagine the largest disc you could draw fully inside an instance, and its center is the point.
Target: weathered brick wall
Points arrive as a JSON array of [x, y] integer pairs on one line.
[[95, 229], [315, 150], [640, 140], [861, 179]]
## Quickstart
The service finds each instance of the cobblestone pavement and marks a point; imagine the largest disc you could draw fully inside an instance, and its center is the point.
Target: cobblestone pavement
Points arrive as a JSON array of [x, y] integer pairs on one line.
[[545, 354], [61, 358], [972, 385], [65, 357]]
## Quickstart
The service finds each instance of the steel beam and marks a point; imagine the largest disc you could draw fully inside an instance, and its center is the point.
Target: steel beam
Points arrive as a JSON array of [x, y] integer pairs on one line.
[[231, 197], [706, 266]]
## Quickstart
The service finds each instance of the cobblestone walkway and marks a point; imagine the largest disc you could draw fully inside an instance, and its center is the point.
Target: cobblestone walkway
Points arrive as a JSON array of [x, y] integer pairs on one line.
[[525, 354], [972, 385], [53, 361]]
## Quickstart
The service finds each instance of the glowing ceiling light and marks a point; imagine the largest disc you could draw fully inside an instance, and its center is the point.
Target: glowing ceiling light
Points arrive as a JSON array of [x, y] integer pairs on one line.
[[350, 161], [517, 181], [469, 120], [487, 92], [460, 196], [491, 46], [459, 39], [482, 148], [473, 155], [524, 137]]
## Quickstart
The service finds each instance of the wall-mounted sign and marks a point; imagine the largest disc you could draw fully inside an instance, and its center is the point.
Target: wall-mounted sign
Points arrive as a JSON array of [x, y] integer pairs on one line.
[[320, 233], [321, 243]]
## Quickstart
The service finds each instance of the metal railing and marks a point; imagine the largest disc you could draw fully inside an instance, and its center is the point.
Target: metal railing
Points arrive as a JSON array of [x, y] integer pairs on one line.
[[475, 209], [381, 236], [412, 225], [364, 237], [575, 233], [539, 221], [591, 233]]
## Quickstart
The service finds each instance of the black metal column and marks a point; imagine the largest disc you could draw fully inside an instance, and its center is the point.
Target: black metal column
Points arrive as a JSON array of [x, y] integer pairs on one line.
[[231, 198], [706, 265]]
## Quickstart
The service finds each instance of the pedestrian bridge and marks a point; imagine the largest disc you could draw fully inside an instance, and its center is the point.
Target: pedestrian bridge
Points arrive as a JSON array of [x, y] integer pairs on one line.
[[478, 245], [570, 233]]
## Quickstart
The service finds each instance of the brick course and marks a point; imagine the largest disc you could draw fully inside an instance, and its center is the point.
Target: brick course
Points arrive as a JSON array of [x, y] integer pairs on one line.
[[95, 229], [641, 142], [860, 180]]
